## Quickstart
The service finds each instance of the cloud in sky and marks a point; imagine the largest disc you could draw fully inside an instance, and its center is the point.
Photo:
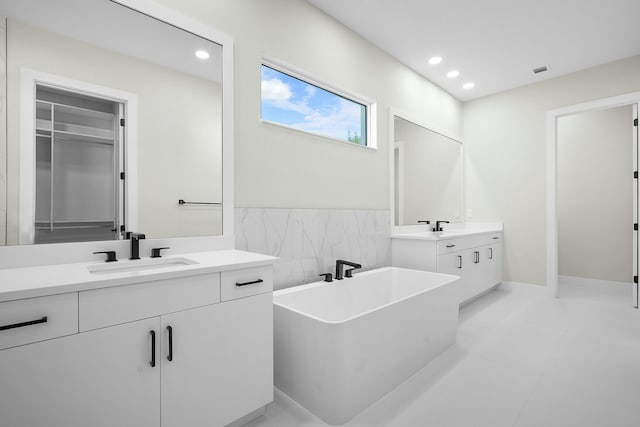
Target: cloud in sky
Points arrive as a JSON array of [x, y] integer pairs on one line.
[[300, 105], [340, 121], [279, 94], [275, 90]]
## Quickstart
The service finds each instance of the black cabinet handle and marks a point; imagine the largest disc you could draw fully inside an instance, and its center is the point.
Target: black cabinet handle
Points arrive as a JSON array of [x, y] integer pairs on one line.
[[170, 356], [476, 254], [496, 238], [153, 349], [22, 324], [490, 253], [451, 246], [249, 283], [459, 261]]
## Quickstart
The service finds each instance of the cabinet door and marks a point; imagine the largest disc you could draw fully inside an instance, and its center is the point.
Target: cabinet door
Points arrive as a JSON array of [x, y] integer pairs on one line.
[[479, 271], [486, 268], [493, 255], [221, 365], [458, 264], [101, 378]]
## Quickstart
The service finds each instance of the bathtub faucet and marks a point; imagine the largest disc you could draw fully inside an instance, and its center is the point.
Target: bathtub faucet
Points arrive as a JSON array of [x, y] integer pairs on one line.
[[340, 268]]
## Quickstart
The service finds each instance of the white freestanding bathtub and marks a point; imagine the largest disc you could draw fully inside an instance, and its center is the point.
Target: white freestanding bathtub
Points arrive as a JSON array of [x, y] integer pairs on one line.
[[340, 346]]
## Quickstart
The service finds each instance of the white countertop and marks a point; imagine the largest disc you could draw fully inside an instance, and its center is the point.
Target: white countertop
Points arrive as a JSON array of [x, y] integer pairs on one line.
[[29, 282], [451, 231]]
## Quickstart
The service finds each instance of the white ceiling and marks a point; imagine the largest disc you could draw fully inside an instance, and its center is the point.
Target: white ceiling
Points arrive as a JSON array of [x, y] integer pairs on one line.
[[115, 27], [494, 43]]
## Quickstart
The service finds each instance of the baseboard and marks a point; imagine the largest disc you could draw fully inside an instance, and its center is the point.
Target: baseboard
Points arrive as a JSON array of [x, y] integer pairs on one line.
[[585, 281], [508, 284]]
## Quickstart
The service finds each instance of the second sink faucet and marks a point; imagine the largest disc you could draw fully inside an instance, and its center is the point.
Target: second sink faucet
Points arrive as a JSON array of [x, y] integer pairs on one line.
[[438, 228], [135, 243], [340, 267]]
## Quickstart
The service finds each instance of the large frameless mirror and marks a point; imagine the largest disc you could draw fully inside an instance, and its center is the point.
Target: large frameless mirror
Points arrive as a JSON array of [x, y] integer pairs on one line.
[[113, 123], [427, 175]]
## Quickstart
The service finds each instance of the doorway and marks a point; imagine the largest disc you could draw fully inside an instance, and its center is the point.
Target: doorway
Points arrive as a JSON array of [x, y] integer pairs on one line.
[[78, 160], [79, 163], [554, 131]]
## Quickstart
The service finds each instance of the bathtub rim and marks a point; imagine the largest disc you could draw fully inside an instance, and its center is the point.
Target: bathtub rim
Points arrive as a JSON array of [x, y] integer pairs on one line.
[[312, 285]]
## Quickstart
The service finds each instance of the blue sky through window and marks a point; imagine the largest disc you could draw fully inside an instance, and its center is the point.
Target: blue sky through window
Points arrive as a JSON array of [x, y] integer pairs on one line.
[[292, 102]]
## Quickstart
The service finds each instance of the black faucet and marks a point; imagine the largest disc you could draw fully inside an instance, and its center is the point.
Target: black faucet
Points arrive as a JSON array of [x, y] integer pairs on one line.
[[111, 255], [340, 267], [438, 228], [135, 243], [327, 277]]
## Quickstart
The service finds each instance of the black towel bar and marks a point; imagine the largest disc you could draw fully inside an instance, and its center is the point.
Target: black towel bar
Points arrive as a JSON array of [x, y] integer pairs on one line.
[[182, 202]]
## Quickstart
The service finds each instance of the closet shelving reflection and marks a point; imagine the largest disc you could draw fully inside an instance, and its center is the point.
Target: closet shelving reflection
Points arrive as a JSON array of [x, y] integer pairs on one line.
[[76, 157]]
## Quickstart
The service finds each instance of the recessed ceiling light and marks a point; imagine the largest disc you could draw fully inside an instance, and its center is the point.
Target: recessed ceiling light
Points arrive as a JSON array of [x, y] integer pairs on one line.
[[202, 54], [435, 60], [468, 85], [453, 74]]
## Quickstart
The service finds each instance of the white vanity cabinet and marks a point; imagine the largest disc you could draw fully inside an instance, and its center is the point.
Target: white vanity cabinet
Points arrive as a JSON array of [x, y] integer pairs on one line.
[[100, 378], [222, 362], [476, 258], [478, 262], [164, 352]]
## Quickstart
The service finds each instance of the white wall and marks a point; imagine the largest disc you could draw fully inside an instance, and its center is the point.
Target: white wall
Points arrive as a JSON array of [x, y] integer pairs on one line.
[[3, 135], [595, 203], [505, 170], [167, 169], [276, 167]]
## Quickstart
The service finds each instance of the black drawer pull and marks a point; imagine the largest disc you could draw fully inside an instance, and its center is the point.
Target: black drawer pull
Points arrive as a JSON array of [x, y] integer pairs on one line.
[[451, 246], [459, 261], [490, 253], [249, 283], [153, 349], [170, 355], [476, 255], [21, 324], [495, 238]]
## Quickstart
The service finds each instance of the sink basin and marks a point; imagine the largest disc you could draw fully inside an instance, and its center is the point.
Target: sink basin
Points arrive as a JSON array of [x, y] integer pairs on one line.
[[448, 233], [139, 265]]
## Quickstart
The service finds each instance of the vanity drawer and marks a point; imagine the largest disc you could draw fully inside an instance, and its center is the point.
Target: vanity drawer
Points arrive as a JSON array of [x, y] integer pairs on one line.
[[467, 242], [494, 238], [30, 320], [452, 245], [247, 282], [120, 304]]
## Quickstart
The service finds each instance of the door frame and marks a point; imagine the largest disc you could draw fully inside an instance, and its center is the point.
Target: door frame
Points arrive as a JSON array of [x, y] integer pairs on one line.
[[552, 117], [28, 80], [398, 150]]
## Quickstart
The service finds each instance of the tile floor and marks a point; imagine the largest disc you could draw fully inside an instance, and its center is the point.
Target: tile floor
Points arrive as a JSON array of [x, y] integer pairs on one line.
[[521, 359]]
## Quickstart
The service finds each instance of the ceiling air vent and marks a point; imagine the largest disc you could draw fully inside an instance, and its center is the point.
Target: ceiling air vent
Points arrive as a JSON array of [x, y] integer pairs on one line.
[[540, 69]]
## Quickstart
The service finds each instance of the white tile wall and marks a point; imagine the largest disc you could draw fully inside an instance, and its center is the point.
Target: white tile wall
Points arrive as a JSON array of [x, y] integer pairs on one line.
[[308, 241]]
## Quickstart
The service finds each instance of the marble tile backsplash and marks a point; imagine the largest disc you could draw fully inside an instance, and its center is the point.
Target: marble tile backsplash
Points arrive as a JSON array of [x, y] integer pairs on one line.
[[308, 241]]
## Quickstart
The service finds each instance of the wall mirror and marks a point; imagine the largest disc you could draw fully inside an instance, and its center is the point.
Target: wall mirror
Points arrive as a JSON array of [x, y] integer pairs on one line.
[[427, 174], [112, 122]]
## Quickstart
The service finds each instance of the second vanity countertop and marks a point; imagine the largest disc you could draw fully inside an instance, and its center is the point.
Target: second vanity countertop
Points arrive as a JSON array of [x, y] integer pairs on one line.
[[28, 282], [451, 231]]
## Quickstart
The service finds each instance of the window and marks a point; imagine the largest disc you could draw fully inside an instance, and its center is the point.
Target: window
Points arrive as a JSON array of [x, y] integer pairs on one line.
[[295, 103]]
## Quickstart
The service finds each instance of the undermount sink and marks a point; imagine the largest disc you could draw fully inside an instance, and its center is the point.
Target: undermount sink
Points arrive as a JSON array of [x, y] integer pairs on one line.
[[139, 265], [447, 233]]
